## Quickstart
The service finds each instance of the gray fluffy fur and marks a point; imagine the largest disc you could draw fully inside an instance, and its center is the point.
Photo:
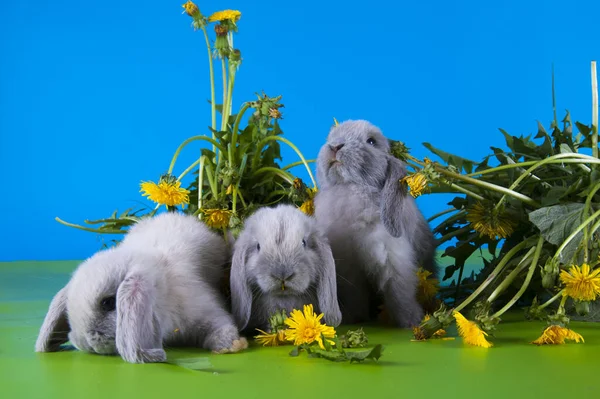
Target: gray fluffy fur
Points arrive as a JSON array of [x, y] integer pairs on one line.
[[377, 234], [164, 276], [281, 245]]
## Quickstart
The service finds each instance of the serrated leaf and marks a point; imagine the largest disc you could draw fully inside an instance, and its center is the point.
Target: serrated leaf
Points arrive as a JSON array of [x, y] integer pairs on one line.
[[192, 363], [360, 356], [557, 222], [459, 162]]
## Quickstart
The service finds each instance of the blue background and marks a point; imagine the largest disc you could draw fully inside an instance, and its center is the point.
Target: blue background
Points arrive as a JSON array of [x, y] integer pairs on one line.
[[96, 96]]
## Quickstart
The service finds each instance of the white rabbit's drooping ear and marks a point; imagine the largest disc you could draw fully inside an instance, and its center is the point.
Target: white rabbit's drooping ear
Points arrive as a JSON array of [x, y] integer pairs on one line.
[[55, 329], [327, 288], [394, 216], [138, 337], [241, 297]]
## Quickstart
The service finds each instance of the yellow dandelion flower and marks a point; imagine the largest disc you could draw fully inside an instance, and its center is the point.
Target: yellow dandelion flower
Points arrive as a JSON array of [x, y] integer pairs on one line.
[[556, 335], [306, 328], [417, 182], [308, 207], [217, 218], [581, 283], [190, 8], [270, 339], [166, 192], [419, 334], [427, 288], [297, 183], [489, 222], [225, 15], [470, 331]]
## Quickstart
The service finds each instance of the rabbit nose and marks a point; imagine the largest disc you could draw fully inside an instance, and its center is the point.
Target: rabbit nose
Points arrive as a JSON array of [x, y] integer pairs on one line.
[[336, 148], [283, 276]]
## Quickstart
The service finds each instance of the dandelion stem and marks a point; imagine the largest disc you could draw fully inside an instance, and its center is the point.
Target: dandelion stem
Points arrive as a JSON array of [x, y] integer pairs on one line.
[[285, 175], [449, 221], [186, 142], [497, 270], [263, 142], [511, 276], [442, 213], [465, 191], [101, 231], [551, 300], [201, 181], [577, 159], [455, 233], [294, 164], [573, 234], [236, 128], [532, 267], [594, 111], [188, 170], [213, 105], [211, 180], [224, 102]]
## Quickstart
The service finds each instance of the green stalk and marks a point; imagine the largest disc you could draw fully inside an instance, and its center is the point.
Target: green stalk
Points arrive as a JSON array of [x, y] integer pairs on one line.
[[450, 221], [573, 234], [449, 236], [528, 172], [101, 231], [594, 111], [224, 73], [188, 170], [186, 142], [578, 159], [442, 213], [213, 105], [262, 143], [465, 191], [497, 270], [551, 300], [227, 113], [512, 275], [294, 164], [586, 211], [236, 127], [211, 180], [201, 181], [285, 175]]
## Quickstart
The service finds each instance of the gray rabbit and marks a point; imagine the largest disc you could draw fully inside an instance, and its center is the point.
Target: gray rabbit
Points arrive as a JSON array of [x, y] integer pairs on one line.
[[158, 286], [281, 261], [377, 234]]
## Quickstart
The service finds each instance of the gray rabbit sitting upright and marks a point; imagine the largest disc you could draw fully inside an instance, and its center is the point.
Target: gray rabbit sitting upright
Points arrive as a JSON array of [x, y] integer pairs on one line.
[[158, 286], [281, 261], [377, 234]]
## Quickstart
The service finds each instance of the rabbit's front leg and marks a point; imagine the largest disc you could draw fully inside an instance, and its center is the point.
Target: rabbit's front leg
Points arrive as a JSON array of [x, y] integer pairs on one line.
[[222, 335], [401, 301]]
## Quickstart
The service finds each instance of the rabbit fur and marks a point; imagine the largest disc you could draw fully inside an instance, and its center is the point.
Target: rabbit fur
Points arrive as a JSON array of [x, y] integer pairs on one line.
[[281, 261], [377, 234], [158, 286]]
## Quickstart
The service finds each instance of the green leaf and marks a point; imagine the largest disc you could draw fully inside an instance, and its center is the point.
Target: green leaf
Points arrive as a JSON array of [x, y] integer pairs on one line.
[[333, 356], [192, 363], [557, 222], [360, 356], [459, 162], [295, 352]]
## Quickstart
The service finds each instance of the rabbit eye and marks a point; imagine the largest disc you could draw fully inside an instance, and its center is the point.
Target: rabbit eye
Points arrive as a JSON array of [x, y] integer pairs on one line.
[[108, 304], [371, 141], [304, 243], [257, 246]]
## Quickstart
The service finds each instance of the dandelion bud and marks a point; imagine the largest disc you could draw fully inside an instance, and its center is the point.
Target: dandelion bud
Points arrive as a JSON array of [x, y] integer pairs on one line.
[[549, 274], [582, 308], [277, 321], [355, 339], [191, 9], [398, 149], [222, 42]]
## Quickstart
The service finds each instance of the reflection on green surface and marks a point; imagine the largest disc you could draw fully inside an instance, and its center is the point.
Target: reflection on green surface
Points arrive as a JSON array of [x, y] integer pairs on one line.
[[444, 369]]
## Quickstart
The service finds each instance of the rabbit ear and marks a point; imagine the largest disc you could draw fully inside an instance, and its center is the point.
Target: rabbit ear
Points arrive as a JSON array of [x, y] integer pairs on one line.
[[241, 297], [327, 288], [393, 197], [138, 337], [55, 329]]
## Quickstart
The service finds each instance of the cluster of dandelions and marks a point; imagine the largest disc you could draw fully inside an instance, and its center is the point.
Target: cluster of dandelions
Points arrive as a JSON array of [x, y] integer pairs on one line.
[[306, 331]]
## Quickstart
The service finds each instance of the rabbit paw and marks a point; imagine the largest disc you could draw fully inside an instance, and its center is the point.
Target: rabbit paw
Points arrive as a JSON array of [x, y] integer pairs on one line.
[[146, 356], [226, 340]]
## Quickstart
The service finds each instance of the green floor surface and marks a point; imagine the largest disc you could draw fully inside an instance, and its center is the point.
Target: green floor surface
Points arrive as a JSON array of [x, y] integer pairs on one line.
[[441, 369]]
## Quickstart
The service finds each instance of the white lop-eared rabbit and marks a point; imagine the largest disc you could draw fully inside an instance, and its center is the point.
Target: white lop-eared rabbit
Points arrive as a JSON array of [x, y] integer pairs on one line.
[[378, 236], [158, 286], [281, 262]]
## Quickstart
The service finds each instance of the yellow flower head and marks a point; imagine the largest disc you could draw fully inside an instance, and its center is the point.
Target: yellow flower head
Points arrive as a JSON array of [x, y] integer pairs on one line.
[[419, 333], [225, 15], [556, 335], [297, 183], [217, 218], [427, 287], [470, 331], [308, 207], [190, 8], [168, 192], [489, 222], [417, 182], [274, 113], [581, 283], [270, 339], [306, 328]]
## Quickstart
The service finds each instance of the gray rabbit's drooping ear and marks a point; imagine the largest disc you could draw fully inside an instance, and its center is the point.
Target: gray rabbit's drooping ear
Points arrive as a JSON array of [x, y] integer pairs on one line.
[[241, 297], [327, 287], [138, 337], [55, 329], [394, 216]]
